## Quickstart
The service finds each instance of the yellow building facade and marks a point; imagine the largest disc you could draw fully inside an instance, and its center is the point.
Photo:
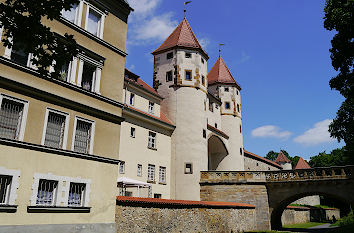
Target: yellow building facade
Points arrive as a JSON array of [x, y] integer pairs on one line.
[[59, 138]]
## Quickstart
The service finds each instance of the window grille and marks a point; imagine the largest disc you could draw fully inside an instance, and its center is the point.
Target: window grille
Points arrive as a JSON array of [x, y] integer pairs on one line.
[[46, 194], [82, 136], [151, 107], [54, 136], [162, 174], [5, 185], [152, 140], [140, 170], [10, 119], [76, 194], [151, 172], [122, 167]]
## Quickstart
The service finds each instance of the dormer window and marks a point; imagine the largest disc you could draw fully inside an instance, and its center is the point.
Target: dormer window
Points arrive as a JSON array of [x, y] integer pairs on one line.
[[188, 75], [169, 55], [132, 99], [188, 55], [151, 107]]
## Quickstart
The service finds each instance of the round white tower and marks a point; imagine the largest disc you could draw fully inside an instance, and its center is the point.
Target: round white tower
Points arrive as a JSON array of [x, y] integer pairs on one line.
[[223, 85], [180, 77]]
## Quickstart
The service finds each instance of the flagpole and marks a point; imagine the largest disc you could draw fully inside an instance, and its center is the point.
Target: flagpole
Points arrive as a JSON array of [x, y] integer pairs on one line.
[[185, 10]]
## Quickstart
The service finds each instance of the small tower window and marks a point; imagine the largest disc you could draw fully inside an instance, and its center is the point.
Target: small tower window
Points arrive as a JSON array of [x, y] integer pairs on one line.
[[188, 75], [132, 98], [188, 55], [237, 92], [226, 89], [203, 80], [169, 55], [211, 109], [227, 105], [204, 133], [202, 60], [132, 132], [169, 76], [240, 129], [216, 125], [240, 151], [238, 107], [188, 169]]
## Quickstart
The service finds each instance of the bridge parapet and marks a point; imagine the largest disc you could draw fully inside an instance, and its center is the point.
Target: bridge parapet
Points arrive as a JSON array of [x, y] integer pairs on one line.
[[326, 173]]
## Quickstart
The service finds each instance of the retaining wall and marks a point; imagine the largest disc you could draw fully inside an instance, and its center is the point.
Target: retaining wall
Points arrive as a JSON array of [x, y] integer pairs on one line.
[[161, 215]]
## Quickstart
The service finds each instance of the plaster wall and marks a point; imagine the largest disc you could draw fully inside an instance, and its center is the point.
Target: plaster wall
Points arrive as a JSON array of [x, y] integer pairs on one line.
[[214, 117], [256, 165], [29, 162], [134, 151]]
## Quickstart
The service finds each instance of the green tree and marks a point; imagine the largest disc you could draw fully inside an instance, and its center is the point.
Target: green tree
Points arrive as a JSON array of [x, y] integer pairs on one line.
[[271, 155], [23, 24], [335, 158], [339, 17]]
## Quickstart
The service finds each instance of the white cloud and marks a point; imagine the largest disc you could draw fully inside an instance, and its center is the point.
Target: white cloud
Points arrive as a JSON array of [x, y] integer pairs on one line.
[[316, 135], [142, 8], [270, 131], [204, 42], [244, 58], [154, 28]]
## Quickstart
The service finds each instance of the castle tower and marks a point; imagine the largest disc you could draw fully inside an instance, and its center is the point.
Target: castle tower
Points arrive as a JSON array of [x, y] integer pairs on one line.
[[180, 77], [223, 85], [283, 161]]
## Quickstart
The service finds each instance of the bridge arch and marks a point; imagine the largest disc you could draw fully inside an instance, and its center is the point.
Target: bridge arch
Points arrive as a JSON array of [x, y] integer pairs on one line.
[[280, 196], [217, 151]]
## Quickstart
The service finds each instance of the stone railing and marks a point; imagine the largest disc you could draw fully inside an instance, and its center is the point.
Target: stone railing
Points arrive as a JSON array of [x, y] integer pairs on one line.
[[345, 172]]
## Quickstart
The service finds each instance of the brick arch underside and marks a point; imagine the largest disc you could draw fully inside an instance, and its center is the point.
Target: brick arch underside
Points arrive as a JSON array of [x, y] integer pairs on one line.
[[216, 152], [280, 195]]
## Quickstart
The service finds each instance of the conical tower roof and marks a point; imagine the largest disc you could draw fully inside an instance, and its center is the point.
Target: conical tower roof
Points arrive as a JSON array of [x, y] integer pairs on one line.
[[182, 37], [302, 164], [282, 158], [220, 73]]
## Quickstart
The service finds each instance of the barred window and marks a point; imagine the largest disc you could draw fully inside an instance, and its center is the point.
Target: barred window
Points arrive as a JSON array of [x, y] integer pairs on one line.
[[162, 175], [54, 135], [151, 107], [47, 191], [83, 136], [11, 114], [152, 140], [76, 194], [151, 172], [5, 185], [139, 170]]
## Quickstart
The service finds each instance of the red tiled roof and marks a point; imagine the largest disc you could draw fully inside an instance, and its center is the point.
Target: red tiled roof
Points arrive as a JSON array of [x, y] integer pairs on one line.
[[162, 117], [158, 201], [135, 79], [182, 36], [297, 207], [302, 164], [282, 158], [263, 159], [221, 74]]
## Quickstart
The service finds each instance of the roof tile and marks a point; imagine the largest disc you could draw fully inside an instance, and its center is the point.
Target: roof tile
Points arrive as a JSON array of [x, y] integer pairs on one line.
[[282, 158], [220, 73], [302, 164], [263, 159]]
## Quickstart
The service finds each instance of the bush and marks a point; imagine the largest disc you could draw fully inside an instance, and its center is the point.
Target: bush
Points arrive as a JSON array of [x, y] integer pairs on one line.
[[347, 220]]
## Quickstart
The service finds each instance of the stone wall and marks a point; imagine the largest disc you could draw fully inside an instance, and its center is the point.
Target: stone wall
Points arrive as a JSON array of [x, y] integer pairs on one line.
[[309, 200], [167, 216], [254, 194], [252, 164], [293, 216]]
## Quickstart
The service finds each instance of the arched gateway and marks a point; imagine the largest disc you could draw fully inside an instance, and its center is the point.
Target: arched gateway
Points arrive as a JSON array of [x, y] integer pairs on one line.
[[216, 153], [272, 191]]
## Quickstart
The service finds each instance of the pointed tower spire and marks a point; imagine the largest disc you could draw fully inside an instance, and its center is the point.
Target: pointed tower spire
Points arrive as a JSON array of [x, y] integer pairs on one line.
[[181, 37], [302, 164], [221, 74]]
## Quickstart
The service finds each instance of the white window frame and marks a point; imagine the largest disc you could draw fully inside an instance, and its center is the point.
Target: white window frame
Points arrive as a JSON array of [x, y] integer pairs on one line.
[[24, 113], [1, 30], [122, 167], [78, 14], [139, 171], [162, 174], [8, 51], [151, 143], [100, 23], [132, 132], [96, 81], [71, 70], [151, 107], [12, 192], [62, 188], [83, 195], [151, 176], [92, 138], [66, 129]]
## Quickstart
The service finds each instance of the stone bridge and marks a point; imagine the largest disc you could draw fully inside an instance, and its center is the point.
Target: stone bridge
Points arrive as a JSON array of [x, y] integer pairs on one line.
[[272, 191]]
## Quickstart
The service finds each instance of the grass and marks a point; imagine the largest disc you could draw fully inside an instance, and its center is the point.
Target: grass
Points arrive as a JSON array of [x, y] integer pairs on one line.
[[323, 206], [304, 225]]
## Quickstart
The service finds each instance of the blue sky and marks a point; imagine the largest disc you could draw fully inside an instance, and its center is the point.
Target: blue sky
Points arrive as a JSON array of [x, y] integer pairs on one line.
[[277, 50]]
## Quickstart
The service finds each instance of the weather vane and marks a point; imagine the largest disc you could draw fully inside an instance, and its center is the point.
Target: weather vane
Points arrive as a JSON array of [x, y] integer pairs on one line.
[[185, 3], [220, 49]]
